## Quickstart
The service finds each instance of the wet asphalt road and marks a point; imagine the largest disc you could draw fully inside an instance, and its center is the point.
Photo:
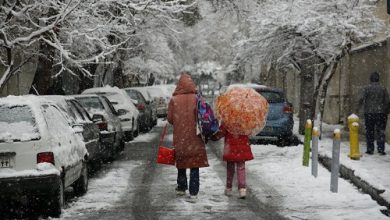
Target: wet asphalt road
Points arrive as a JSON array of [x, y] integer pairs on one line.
[[152, 194]]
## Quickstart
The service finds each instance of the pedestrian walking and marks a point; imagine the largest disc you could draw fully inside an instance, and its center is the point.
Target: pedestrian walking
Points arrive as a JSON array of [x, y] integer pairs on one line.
[[236, 151], [190, 151], [151, 80], [375, 101]]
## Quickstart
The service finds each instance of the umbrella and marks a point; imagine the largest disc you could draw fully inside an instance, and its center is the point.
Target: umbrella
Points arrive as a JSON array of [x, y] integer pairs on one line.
[[242, 110]]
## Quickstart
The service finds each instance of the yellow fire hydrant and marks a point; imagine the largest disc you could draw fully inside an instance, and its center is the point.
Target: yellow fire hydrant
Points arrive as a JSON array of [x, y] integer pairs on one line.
[[353, 125]]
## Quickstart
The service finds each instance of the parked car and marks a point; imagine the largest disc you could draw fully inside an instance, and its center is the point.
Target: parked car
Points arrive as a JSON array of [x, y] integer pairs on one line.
[[122, 103], [145, 110], [40, 154], [280, 120], [105, 116], [161, 98], [169, 89], [78, 116], [150, 102]]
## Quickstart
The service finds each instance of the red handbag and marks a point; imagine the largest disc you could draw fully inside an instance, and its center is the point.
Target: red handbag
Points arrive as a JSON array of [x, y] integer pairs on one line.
[[165, 155]]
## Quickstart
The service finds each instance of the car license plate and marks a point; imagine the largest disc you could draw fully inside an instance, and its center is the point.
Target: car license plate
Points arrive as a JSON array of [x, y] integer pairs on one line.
[[5, 162]]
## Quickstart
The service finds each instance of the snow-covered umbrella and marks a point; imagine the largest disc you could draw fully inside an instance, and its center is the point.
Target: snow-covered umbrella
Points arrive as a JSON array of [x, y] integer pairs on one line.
[[242, 110]]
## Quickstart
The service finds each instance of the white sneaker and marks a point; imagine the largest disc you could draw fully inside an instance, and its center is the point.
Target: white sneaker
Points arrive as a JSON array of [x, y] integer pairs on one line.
[[228, 192], [180, 192], [192, 199], [242, 193]]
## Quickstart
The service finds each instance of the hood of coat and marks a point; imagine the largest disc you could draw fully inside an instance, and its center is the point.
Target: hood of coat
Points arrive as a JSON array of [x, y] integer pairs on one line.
[[185, 85]]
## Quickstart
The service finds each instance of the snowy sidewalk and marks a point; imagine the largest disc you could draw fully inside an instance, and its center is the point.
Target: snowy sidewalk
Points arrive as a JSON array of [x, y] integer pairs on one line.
[[301, 195], [371, 169]]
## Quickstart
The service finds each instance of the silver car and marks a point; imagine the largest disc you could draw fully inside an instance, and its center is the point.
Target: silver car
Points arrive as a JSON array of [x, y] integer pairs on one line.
[[105, 116]]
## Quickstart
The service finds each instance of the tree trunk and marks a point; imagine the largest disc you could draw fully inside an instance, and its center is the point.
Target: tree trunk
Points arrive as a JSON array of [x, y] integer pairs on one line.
[[42, 78], [306, 93], [306, 99]]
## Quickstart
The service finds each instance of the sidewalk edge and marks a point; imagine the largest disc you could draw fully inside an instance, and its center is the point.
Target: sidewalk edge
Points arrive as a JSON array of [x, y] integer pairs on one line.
[[349, 174]]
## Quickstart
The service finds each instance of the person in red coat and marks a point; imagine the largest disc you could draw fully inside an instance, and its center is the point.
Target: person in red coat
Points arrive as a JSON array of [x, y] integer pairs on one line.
[[236, 151], [190, 150]]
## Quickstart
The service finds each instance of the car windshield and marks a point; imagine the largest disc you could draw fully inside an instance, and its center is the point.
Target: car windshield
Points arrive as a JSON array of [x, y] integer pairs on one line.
[[132, 94], [272, 97], [90, 102], [17, 123]]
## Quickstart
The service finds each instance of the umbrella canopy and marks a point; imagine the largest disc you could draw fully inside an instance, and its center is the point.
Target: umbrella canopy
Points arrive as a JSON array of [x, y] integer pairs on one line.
[[242, 110]]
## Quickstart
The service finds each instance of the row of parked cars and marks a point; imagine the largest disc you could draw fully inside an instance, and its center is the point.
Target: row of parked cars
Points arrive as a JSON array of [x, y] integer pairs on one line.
[[49, 143]]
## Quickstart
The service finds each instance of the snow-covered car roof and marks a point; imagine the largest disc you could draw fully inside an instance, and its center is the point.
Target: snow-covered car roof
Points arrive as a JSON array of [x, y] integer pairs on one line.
[[251, 85], [60, 101], [32, 101], [115, 94], [157, 92], [168, 88]]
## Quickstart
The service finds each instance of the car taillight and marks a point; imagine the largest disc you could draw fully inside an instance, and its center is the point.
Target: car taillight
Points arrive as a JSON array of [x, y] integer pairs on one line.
[[141, 107], [45, 157], [288, 109], [102, 126]]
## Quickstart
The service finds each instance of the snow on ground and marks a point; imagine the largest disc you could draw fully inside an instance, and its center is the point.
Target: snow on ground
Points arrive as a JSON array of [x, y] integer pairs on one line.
[[210, 197], [161, 122], [374, 169], [146, 137], [103, 191], [306, 197]]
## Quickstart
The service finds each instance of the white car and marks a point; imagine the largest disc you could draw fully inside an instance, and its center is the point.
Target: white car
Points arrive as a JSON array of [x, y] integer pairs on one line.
[[125, 107], [161, 97], [151, 102], [40, 153]]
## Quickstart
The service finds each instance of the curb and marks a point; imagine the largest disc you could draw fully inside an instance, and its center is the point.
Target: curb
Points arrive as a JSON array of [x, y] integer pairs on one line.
[[349, 174]]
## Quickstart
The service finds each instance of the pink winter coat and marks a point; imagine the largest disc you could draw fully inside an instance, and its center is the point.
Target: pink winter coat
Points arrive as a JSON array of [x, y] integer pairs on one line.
[[189, 147]]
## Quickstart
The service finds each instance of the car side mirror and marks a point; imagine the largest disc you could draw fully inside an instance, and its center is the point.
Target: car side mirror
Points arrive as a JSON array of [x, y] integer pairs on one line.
[[135, 102], [97, 118], [78, 128], [121, 112]]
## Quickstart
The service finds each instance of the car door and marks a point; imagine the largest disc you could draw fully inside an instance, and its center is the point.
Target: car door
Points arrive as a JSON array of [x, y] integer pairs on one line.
[[68, 148], [113, 117], [90, 129]]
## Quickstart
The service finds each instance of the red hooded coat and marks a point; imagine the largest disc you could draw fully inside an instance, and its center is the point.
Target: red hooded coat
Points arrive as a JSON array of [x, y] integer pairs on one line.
[[237, 147], [189, 147]]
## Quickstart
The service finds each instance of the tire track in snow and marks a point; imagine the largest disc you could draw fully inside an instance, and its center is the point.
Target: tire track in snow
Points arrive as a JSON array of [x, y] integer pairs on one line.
[[104, 191]]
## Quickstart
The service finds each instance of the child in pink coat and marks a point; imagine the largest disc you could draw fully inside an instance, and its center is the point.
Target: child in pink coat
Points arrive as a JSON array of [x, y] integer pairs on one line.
[[236, 151]]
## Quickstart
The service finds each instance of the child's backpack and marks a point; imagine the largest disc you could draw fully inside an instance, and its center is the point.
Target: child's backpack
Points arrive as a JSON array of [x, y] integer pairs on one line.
[[207, 123]]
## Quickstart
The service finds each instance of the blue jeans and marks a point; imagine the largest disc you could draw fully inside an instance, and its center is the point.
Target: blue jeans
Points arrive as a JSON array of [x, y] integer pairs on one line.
[[375, 122], [194, 180]]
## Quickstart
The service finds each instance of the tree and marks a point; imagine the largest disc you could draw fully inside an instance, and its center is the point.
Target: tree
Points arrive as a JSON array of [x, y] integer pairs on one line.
[[80, 32], [310, 36]]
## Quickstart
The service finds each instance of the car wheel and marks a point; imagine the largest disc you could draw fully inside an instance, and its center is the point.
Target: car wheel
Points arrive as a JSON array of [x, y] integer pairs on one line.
[[284, 141], [80, 187], [136, 132], [56, 201], [122, 146]]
